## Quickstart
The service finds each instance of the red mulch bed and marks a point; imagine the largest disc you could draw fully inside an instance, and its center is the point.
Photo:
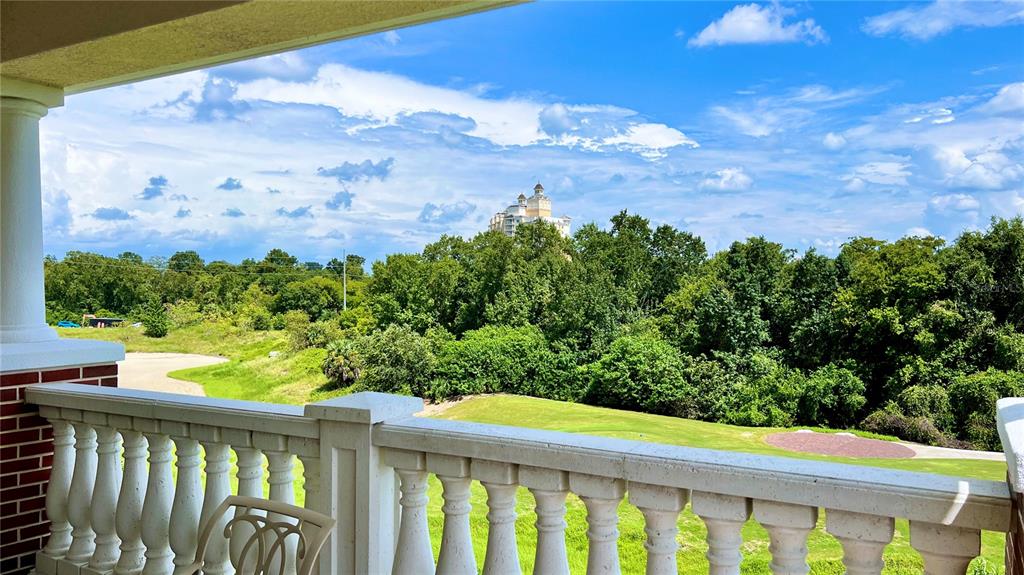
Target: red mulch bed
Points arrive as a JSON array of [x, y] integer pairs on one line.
[[842, 445]]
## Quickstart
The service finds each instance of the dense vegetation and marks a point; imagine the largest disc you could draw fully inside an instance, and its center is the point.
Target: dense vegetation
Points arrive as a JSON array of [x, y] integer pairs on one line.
[[912, 338]]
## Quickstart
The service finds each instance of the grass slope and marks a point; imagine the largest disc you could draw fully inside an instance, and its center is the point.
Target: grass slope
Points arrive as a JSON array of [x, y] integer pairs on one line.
[[295, 378]]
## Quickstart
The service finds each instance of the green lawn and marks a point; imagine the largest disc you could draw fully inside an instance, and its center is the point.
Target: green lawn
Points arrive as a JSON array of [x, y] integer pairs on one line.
[[295, 378]]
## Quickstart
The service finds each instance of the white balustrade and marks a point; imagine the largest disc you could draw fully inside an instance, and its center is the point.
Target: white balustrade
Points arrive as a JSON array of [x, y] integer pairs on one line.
[[661, 507], [250, 484], [549, 488], [128, 515], [104, 499], [156, 507], [601, 495], [414, 554], [456, 555], [355, 449], [500, 480], [788, 526], [83, 538], [724, 516], [58, 488], [863, 537], [183, 531], [946, 550], [218, 487]]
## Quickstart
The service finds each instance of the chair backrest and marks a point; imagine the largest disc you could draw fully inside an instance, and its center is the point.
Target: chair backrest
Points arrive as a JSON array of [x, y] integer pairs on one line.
[[266, 527]]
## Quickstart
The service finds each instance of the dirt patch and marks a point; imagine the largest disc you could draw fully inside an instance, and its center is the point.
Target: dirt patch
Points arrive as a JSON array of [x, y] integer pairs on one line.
[[843, 445], [148, 371]]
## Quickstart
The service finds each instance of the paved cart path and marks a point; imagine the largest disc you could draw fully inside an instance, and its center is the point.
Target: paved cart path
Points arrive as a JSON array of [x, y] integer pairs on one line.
[[149, 371]]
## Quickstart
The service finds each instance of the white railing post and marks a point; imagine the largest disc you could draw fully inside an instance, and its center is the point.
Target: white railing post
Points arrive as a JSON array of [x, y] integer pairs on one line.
[[1010, 422], [946, 550], [788, 526], [80, 498], [156, 507], [724, 516], [501, 481], [456, 555], [58, 489], [549, 487], [661, 507], [863, 537], [104, 498], [413, 554], [601, 495], [356, 486], [183, 531], [128, 515]]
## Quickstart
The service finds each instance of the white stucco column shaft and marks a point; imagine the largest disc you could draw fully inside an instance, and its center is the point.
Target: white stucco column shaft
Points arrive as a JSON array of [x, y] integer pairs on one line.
[[22, 307]]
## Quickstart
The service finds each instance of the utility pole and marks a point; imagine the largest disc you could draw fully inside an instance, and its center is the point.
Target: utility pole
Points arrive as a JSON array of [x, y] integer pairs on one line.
[[344, 280]]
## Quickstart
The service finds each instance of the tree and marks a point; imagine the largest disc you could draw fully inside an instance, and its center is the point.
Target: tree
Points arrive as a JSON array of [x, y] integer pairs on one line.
[[188, 261], [396, 360], [318, 296]]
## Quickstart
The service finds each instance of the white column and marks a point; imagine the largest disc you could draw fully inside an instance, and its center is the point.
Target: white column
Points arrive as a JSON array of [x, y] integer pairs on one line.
[[501, 481], [549, 488], [104, 500], [58, 489], [413, 553], [183, 531], [218, 487], [601, 495], [456, 555], [661, 507], [250, 484], [156, 508], [864, 537], [80, 498], [22, 307], [724, 516], [788, 526], [128, 517], [946, 550]]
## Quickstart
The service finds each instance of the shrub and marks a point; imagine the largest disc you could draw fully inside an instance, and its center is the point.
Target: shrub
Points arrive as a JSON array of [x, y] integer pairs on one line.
[[766, 394], [930, 401], [973, 398], [184, 313], [322, 333], [396, 360], [832, 397], [296, 324], [155, 322], [318, 296], [342, 365], [641, 373], [889, 421], [254, 317], [495, 359]]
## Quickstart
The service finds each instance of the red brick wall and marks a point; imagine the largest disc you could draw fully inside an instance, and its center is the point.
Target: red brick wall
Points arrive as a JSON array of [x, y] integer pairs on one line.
[[26, 454], [1015, 538]]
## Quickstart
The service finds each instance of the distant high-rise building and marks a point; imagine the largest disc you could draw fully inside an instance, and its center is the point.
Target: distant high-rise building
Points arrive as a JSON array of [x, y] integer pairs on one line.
[[535, 208]]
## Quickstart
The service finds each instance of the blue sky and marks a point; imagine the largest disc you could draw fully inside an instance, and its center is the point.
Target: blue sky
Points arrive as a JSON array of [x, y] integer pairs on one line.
[[808, 123]]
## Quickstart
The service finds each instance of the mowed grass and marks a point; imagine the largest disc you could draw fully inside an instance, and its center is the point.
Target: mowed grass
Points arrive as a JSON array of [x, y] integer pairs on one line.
[[295, 378]]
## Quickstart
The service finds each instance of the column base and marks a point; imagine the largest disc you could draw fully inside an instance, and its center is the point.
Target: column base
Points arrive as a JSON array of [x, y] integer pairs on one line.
[[57, 353]]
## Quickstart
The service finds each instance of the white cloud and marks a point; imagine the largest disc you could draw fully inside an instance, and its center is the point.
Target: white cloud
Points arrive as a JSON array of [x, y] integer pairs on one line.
[[758, 24], [919, 232], [954, 202], [381, 99], [1010, 98], [392, 37], [990, 170], [855, 184], [727, 180], [792, 110], [883, 173], [833, 141], [942, 16]]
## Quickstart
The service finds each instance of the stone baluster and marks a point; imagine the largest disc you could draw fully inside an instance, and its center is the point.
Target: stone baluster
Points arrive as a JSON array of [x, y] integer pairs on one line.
[[104, 499], [413, 554], [501, 481], [724, 516], [661, 507], [156, 508], [250, 484], [946, 550], [311, 486], [83, 481], [218, 487], [601, 495], [456, 556], [188, 501], [58, 489], [863, 537], [282, 488], [128, 516], [549, 488], [788, 526]]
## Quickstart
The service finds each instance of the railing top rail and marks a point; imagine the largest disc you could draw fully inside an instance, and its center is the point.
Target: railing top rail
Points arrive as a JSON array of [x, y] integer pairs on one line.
[[249, 415], [964, 502]]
